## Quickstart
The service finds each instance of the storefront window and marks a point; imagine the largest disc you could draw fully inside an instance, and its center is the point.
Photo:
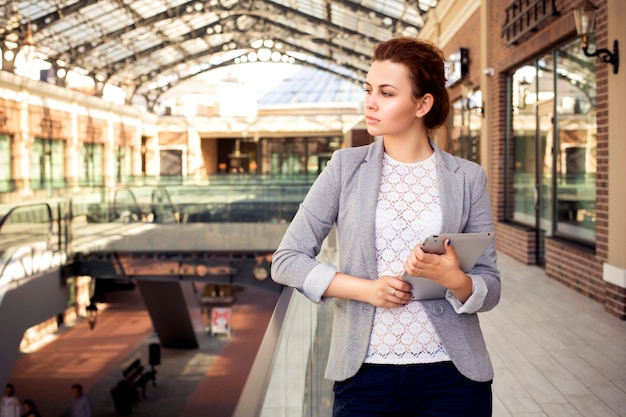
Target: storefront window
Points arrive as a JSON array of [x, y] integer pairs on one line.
[[124, 160], [5, 163], [91, 163], [464, 139], [553, 144], [297, 156], [48, 164], [576, 146]]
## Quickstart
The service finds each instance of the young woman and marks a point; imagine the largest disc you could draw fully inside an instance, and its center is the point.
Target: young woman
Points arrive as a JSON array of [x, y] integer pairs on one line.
[[391, 355]]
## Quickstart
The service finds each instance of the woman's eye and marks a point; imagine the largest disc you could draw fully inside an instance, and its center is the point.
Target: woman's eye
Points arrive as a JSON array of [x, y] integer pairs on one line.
[[386, 94]]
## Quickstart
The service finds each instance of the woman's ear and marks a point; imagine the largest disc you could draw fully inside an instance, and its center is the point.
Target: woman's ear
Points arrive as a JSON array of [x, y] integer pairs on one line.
[[424, 105]]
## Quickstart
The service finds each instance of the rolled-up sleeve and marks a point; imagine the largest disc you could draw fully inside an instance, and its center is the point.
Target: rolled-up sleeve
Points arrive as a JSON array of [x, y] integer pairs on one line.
[[475, 302], [294, 262], [317, 281]]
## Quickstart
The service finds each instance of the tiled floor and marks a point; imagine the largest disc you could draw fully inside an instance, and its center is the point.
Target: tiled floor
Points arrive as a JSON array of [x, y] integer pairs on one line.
[[555, 352]]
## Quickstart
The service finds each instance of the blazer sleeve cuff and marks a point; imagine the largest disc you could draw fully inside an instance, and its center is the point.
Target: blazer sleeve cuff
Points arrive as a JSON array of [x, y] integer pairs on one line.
[[317, 281], [474, 302]]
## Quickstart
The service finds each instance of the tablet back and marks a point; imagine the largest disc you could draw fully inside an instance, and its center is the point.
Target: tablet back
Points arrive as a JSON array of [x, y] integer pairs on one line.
[[469, 248]]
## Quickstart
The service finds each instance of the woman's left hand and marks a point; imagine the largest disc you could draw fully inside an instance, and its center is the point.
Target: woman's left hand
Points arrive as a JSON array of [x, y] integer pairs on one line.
[[443, 269]]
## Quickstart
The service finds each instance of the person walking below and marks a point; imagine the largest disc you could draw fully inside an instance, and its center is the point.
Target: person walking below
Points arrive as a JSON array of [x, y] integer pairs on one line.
[[81, 403], [30, 409], [392, 355], [10, 405]]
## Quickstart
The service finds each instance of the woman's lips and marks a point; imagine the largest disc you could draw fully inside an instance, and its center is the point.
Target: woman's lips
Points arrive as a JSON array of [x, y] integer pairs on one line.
[[371, 120]]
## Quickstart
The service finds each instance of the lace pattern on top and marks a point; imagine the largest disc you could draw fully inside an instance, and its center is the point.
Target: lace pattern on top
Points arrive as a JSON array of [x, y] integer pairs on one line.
[[408, 210]]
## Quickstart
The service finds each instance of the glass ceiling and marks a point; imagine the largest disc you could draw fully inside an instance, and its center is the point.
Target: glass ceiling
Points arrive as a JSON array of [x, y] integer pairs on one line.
[[149, 46]]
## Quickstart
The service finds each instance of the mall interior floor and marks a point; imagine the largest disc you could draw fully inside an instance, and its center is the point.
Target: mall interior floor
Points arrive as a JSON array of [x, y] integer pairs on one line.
[[188, 381]]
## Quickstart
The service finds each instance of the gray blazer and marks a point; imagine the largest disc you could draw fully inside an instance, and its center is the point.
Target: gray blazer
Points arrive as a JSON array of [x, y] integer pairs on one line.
[[345, 194]]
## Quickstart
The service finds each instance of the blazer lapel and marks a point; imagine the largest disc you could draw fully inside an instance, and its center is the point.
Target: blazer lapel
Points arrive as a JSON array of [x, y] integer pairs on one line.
[[451, 186], [369, 184]]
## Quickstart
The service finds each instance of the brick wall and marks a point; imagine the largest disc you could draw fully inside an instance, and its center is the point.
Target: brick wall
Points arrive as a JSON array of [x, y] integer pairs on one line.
[[173, 138], [615, 300], [578, 268], [92, 130], [524, 250]]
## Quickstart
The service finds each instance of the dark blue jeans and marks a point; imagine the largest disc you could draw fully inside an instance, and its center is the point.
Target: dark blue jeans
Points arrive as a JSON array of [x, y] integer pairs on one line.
[[425, 390]]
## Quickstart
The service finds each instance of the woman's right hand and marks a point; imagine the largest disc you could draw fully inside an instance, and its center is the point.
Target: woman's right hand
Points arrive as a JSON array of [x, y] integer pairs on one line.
[[390, 292], [386, 291]]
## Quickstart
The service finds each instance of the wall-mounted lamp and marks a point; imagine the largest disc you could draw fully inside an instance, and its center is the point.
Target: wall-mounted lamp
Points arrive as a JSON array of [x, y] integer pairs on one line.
[[585, 18], [92, 310], [470, 98], [92, 314]]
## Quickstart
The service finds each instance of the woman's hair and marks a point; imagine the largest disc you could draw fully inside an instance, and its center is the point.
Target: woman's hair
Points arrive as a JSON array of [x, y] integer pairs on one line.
[[426, 66]]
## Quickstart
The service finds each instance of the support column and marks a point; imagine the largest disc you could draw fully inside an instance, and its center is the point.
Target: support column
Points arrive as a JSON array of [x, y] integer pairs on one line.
[[193, 165], [614, 271], [485, 89], [22, 173], [168, 305]]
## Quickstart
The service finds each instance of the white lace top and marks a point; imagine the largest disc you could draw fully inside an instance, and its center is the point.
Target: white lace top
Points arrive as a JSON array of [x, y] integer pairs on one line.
[[407, 211]]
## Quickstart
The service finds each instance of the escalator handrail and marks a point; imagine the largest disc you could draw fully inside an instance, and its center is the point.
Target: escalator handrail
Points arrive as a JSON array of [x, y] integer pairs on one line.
[[132, 194], [20, 206]]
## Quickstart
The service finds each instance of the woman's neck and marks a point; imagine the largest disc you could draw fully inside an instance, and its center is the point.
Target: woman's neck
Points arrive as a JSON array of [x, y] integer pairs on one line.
[[408, 150]]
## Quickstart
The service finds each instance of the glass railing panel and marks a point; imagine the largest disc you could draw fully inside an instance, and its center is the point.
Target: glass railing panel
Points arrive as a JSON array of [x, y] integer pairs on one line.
[[287, 378], [318, 399], [286, 392], [297, 386]]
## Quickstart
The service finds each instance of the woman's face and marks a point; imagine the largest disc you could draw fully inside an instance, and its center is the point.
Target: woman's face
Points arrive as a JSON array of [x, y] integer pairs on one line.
[[390, 109]]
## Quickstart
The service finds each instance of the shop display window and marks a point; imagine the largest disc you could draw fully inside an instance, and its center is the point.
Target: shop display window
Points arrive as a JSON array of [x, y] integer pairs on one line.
[[552, 145], [48, 164], [91, 165], [5, 164]]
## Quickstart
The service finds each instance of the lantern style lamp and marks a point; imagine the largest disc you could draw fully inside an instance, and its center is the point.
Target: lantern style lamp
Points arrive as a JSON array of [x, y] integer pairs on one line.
[[92, 314], [28, 47], [585, 18]]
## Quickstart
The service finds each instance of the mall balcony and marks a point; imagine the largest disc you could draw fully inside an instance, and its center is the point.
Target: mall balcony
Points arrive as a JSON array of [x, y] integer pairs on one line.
[[141, 200]]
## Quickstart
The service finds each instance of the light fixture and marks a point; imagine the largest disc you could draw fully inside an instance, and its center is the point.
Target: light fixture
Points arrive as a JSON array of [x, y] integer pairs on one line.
[[128, 89], [28, 46], [264, 54], [92, 314], [585, 17], [470, 97]]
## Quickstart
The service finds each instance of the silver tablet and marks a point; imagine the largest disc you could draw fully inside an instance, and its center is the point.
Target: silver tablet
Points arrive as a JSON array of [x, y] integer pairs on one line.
[[469, 248]]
